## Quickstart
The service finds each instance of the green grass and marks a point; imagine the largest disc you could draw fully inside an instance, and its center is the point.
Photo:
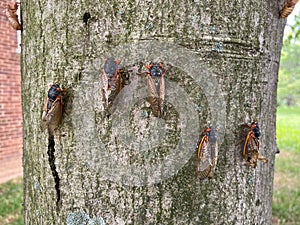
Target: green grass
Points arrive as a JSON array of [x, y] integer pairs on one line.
[[288, 128], [11, 200], [286, 196]]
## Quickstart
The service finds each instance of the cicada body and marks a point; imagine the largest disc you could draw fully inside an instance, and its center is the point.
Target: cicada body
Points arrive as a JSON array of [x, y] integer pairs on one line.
[[207, 154], [53, 107], [11, 14], [288, 8], [251, 146], [156, 88], [112, 80]]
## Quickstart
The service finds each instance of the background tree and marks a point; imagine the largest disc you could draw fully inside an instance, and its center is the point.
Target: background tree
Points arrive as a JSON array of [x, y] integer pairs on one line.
[[288, 87], [123, 165], [293, 35], [289, 82]]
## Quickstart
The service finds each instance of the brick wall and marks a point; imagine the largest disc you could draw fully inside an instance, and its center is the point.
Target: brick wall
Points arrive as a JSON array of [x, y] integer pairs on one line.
[[10, 101]]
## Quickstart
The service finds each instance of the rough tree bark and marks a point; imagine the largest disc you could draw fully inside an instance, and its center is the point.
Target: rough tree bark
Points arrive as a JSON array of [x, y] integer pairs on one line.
[[126, 166]]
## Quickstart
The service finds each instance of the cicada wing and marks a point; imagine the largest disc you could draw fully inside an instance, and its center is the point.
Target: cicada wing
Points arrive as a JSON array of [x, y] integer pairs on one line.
[[252, 145], [204, 159], [203, 174], [115, 84], [251, 149], [214, 157], [246, 145], [153, 96], [216, 153], [161, 94], [200, 146], [54, 115], [44, 123]]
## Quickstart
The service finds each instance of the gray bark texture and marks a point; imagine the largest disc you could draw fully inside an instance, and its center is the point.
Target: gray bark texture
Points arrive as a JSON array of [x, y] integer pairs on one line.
[[122, 165]]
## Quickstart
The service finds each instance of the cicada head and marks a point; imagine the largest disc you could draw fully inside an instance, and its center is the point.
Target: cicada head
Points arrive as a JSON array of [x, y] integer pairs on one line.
[[54, 91], [255, 129], [155, 70], [212, 134], [111, 66]]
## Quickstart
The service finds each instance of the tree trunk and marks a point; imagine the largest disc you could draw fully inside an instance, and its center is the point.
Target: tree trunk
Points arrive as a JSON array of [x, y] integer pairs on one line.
[[121, 164]]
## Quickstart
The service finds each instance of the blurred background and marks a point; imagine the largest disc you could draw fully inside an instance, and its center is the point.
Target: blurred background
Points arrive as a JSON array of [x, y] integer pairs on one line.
[[286, 196]]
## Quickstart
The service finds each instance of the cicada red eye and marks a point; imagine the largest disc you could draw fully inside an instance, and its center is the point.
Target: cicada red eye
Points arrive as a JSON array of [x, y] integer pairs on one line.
[[149, 66], [208, 130]]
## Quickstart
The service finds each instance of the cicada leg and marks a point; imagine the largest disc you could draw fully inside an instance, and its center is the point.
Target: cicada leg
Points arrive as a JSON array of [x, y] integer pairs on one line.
[[262, 158], [252, 162]]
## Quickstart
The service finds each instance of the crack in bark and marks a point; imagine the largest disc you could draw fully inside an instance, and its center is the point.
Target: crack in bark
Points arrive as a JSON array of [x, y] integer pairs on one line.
[[50, 152]]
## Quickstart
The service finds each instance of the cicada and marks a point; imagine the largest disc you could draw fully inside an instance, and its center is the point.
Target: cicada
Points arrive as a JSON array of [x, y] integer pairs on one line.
[[53, 107], [156, 87], [288, 8], [251, 146], [207, 154], [112, 80], [11, 14]]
